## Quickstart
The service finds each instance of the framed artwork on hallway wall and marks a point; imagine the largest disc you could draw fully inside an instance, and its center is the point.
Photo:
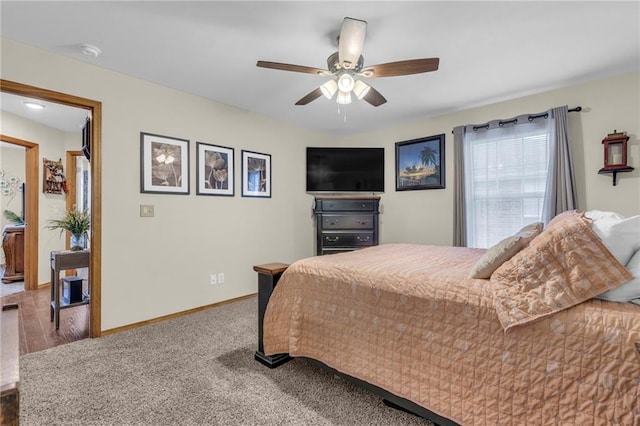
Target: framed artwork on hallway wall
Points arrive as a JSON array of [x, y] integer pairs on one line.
[[164, 164], [214, 170], [256, 174]]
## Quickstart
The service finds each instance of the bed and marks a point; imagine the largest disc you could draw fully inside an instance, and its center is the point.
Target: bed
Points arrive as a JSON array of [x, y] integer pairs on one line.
[[529, 345]]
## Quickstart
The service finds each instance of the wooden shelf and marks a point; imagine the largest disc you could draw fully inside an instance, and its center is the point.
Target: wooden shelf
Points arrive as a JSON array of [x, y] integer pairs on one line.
[[64, 302], [614, 172]]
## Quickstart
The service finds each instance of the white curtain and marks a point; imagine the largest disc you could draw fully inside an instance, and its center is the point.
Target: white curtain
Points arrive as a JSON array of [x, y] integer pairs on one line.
[[510, 173]]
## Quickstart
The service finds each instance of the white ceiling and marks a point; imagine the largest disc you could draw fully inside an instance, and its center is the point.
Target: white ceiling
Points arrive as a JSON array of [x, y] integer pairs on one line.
[[489, 51], [57, 116]]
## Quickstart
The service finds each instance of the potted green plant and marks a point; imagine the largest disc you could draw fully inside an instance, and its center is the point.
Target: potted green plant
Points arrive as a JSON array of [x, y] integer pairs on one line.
[[77, 223]]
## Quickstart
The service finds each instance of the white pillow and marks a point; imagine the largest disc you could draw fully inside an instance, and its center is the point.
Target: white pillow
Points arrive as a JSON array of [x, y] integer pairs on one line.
[[630, 290], [499, 253], [636, 301], [600, 215], [620, 235]]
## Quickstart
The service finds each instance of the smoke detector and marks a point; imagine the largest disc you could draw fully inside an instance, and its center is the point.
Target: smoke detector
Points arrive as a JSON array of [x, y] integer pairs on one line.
[[90, 50]]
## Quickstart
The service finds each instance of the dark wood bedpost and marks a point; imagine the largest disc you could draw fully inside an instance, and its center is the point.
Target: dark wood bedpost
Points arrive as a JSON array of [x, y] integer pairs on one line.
[[268, 276]]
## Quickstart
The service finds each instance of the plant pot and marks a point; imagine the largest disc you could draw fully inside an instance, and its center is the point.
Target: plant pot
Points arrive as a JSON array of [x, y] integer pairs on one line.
[[78, 242]]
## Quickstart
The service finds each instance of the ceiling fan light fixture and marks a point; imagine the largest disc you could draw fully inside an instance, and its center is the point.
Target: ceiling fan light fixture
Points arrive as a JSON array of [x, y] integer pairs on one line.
[[346, 82], [343, 98], [351, 42], [360, 89], [329, 88]]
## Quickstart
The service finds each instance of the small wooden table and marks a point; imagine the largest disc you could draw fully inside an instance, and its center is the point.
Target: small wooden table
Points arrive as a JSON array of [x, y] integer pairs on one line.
[[60, 261], [268, 276]]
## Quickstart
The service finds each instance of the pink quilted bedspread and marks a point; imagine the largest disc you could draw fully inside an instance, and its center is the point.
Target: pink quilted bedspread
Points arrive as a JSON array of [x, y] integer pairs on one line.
[[407, 318]]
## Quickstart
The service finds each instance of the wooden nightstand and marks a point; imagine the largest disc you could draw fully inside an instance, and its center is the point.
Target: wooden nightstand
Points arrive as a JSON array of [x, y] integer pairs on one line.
[[268, 276]]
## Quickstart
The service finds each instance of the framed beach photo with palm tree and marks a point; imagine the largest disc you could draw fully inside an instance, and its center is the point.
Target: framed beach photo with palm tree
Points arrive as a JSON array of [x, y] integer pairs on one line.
[[420, 163], [215, 170], [164, 164], [256, 174]]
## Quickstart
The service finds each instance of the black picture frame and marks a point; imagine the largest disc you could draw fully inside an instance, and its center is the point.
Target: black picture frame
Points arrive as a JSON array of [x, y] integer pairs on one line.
[[420, 163], [214, 170], [164, 164], [256, 174]]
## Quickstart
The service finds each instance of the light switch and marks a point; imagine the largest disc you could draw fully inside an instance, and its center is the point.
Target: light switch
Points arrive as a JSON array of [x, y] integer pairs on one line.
[[146, 210]]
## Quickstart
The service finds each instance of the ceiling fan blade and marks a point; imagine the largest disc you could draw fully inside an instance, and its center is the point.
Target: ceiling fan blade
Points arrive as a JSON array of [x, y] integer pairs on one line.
[[289, 67], [392, 69], [351, 42], [374, 97], [309, 97]]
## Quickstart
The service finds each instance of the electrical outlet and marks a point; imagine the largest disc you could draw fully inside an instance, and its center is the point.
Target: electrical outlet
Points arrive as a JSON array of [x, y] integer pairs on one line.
[[221, 278], [214, 279]]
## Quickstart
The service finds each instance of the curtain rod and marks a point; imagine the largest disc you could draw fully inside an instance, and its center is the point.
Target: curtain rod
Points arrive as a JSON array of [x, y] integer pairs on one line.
[[530, 118]]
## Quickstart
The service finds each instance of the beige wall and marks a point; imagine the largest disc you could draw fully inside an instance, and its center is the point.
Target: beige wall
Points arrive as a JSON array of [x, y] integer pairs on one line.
[[609, 104], [12, 166], [157, 266]]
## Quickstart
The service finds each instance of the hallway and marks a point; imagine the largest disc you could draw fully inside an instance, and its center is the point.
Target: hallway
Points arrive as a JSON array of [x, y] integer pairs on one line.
[[37, 331]]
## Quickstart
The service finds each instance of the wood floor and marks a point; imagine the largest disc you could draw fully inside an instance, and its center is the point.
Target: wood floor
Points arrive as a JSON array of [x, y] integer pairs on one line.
[[37, 331]]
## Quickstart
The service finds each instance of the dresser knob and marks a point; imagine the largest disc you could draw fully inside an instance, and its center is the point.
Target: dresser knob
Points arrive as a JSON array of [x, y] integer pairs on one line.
[[360, 239], [333, 240]]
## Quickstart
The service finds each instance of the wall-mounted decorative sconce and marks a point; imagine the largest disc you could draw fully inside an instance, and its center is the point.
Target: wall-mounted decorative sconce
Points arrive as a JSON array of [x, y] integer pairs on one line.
[[615, 155]]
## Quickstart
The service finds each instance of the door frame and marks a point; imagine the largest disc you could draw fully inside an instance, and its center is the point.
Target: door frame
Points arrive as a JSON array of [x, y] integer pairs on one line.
[[31, 204], [95, 257]]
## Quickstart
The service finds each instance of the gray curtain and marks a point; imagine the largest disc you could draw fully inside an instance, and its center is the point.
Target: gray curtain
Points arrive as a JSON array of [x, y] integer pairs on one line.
[[560, 194], [459, 212]]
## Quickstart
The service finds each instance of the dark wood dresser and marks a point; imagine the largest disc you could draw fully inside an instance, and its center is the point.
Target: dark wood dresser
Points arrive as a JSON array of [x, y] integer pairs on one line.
[[346, 223], [13, 246]]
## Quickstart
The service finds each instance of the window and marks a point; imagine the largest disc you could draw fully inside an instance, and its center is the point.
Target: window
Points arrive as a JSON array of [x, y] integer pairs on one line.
[[505, 178]]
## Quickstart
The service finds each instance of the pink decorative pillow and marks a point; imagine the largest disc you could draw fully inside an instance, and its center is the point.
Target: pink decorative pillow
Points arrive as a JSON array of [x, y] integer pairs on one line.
[[563, 266]]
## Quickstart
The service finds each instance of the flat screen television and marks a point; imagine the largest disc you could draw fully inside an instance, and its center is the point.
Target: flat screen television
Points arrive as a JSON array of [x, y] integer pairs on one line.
[[345, 169]]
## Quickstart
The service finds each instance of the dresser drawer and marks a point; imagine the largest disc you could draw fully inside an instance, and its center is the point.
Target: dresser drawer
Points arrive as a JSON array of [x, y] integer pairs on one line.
[[347, 239], [346, 205], [337, 250], [350, 221]]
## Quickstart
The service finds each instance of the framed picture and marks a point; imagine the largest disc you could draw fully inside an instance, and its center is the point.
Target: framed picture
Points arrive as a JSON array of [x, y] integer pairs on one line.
[[214, 173], [53, 179], [256, 174], [420, 163], [164, 164]]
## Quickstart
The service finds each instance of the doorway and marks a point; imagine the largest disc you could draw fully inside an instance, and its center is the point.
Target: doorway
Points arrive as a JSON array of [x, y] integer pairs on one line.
[[31, 202]]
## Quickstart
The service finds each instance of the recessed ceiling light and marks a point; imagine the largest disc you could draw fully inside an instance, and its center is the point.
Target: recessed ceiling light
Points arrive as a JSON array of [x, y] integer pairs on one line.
[[33, 105], [90, 50]]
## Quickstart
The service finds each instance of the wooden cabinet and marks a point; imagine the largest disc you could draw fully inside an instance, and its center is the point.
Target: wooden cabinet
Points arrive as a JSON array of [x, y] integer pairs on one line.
[[346, 223], [13, 246]]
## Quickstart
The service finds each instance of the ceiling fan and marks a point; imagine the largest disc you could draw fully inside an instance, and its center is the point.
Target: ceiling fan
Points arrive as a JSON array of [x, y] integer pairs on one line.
[[346, 66]]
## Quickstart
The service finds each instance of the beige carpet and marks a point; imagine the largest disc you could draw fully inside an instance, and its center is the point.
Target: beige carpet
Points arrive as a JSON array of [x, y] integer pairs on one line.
[[193, 370]]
